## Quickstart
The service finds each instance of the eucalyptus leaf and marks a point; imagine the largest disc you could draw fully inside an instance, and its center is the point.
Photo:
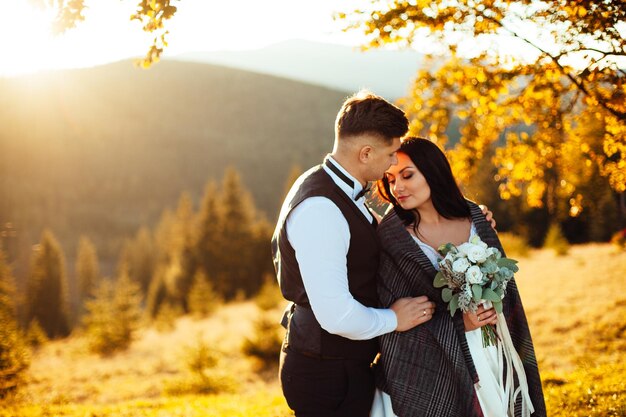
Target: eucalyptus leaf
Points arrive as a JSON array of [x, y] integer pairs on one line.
[[454, 304], [508, 263], [489, 294], [446, 294], [439, 280], [477, 290]]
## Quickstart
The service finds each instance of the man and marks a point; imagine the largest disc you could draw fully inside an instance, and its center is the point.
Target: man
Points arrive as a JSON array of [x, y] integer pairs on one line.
[[326, 256]]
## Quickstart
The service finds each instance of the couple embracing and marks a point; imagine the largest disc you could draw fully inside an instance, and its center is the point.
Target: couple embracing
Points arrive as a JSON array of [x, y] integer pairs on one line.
[[362, 289]]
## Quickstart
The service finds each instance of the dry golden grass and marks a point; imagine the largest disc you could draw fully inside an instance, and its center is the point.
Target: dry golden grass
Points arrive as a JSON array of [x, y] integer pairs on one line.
[[565, 298], [67, 380], [576, 307]]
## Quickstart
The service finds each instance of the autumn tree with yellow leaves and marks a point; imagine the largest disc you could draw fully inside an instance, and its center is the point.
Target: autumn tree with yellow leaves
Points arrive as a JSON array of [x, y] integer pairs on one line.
[[537, 107]]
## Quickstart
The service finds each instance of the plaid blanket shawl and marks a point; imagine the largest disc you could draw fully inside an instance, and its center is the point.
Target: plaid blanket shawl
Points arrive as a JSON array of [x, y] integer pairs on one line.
[[428, 371]]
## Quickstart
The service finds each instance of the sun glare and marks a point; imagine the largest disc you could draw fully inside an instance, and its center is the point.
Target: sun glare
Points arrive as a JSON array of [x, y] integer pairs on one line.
[[29, 45], [26, 36]]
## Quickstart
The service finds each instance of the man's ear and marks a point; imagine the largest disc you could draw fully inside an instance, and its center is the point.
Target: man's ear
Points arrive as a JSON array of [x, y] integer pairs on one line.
[[365, 154]]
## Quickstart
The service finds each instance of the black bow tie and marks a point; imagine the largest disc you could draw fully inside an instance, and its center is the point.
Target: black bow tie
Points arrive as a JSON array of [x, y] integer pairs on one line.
[[362, 192], [345, 179]]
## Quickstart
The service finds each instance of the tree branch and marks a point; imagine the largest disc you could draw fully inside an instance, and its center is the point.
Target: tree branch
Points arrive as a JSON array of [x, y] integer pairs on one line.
[[578, 83]]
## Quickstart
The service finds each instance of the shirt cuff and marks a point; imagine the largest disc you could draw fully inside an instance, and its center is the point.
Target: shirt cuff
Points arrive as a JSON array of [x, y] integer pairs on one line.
[[390, 321]]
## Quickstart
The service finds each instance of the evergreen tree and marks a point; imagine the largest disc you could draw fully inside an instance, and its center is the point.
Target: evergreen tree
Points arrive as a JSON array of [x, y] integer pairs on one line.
[[261, 260], [139, 255], [236, 272], [185, 249], [157, 293], [47, 295], [87, 269], [202, 299], [13, 356], [127, 302], [114, 314], [209, 235]]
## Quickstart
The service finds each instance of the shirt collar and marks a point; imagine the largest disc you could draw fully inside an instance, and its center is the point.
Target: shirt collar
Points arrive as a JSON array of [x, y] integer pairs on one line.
[[344, 179]]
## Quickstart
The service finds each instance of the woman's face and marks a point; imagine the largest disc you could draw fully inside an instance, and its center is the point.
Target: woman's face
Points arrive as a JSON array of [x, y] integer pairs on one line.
[[407, 184]]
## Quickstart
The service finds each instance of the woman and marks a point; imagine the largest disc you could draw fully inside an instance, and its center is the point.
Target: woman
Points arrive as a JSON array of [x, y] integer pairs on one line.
[[441, 368]]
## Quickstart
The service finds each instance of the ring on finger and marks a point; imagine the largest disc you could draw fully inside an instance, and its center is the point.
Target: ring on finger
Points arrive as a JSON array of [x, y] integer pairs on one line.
[[424, 313]]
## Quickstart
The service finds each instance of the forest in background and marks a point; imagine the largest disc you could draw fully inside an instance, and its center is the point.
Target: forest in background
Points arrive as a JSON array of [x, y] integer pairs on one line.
[[121, 158]]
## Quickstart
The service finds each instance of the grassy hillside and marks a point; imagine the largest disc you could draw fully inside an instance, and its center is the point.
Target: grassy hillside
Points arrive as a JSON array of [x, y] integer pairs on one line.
[[102, 151], [575, 307]]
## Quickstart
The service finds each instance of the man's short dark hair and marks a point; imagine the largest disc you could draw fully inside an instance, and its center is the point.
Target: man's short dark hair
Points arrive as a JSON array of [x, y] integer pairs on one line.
[[366, 112]]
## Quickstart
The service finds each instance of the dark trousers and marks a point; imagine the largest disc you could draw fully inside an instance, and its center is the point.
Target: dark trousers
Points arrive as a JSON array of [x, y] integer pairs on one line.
[[315, 387]]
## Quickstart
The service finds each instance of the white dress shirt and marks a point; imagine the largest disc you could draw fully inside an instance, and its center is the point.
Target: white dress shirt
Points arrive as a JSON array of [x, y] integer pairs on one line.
[[320, 236]]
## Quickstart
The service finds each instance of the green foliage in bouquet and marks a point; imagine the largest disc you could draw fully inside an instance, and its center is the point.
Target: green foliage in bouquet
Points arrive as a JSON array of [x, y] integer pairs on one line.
[[496, 272], [473, 274]]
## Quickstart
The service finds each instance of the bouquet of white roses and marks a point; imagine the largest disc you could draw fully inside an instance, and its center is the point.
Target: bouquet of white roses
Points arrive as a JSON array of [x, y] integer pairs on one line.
[[472, 274]]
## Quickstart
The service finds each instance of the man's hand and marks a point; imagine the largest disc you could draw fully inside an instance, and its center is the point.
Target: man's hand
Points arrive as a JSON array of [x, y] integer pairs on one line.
[[488, 216], [412, 312]]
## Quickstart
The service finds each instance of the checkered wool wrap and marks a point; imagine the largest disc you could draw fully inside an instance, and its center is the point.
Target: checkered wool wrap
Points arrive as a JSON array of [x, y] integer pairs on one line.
[[428, 371]]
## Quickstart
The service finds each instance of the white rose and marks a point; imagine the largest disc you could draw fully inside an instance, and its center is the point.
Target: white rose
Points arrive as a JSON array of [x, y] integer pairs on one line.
[[460, 265], [476, 254], [490, 251], [464, 248], [474, 275]]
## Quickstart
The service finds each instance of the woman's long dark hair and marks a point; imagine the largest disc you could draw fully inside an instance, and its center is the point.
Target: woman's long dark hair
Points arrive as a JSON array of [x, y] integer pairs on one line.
[[444, 190]]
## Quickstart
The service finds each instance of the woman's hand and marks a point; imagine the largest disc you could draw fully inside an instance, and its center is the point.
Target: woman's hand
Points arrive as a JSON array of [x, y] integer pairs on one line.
[[479, 319]]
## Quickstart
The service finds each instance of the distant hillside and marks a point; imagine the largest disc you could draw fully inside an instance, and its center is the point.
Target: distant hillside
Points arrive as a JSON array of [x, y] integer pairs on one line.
[[388, 73], [103, 151]]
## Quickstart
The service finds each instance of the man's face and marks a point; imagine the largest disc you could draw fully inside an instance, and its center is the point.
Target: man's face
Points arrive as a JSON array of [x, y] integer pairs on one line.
[[383, 156]]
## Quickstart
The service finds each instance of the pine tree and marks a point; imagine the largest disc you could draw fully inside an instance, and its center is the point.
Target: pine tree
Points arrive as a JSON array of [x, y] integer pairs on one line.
[[87, 269], [14, 358], [157, 293], [98, 322], [261, 259], [127, 302], [139, 254], [202, 299], [47, 295], [185, 250], [164, 249], [209, 235], [113, 315], [236, 272]]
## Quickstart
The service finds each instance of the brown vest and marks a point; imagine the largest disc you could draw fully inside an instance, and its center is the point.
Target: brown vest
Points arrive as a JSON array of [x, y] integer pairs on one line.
[[304, 333]]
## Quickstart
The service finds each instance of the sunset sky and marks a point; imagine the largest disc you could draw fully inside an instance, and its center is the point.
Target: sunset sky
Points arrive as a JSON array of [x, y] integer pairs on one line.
[[27, 45]]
